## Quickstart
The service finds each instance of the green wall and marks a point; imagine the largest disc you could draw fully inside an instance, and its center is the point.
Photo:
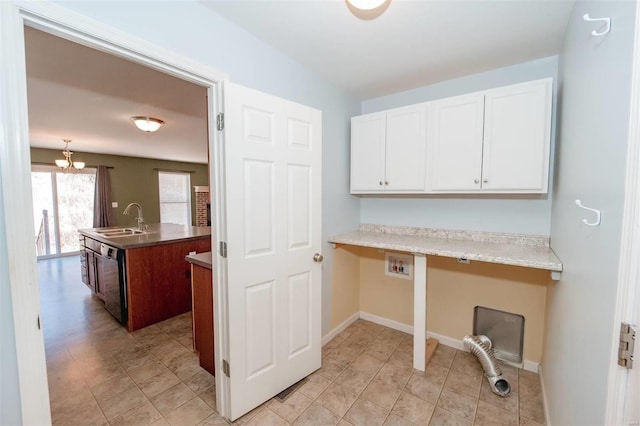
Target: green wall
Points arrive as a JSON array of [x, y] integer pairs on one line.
[[133, 179]]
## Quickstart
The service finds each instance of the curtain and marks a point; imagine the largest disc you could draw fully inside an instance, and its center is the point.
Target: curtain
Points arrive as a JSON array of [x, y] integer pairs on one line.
[[102, 199]]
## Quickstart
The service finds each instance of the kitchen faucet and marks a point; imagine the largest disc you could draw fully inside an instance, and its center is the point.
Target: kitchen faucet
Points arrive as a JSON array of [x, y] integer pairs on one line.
[[140, 219]]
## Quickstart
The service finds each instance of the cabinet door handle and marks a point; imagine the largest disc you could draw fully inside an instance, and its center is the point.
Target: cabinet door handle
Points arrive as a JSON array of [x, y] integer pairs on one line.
[[380, 183], [386, 182], [485, 180], [476, 181]]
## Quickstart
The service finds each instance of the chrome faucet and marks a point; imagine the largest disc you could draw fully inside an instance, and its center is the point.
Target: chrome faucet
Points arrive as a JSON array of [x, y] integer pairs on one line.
[[140, 219]]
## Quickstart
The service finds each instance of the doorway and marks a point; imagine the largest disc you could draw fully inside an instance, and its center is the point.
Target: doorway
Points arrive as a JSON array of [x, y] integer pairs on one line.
[[16, 179], [62, 204]]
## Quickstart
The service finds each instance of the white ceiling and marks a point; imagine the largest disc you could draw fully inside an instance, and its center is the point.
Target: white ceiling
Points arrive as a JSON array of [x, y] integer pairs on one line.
[[412, 43], [88, 96]]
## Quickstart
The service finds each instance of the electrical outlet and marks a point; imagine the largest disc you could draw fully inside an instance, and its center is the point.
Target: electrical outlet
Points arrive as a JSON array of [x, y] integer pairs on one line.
[[114, 205]]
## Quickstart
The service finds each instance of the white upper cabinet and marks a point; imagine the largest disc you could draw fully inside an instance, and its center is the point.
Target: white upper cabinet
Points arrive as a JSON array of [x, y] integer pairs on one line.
[[456, 143], [497, 141], [517, 138], [494, 141], [388, 151], [368, 152]]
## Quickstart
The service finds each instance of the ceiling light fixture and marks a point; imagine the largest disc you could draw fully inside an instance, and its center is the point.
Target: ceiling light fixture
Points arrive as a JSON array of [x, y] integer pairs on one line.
[[67, 164], [147, 124], [366, 4]]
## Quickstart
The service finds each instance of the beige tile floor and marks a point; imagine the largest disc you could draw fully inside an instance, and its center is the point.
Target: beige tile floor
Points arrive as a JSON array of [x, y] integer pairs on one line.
[[100, 374]]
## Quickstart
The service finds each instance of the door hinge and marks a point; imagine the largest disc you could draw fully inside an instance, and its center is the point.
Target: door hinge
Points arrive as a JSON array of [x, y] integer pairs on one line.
[[225, 367], [627, 343], [220, 121], [223, 249]]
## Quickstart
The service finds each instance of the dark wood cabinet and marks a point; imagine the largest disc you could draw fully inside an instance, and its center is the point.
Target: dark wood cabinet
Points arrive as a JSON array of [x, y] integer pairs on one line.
[[202, 289], [89, 265], [159, 280]]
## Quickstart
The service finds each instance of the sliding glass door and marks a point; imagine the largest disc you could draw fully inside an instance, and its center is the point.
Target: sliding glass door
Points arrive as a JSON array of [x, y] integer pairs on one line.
[[62, 204]]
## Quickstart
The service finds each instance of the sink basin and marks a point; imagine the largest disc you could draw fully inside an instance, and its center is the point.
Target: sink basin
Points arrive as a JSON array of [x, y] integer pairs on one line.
[[122, 232]]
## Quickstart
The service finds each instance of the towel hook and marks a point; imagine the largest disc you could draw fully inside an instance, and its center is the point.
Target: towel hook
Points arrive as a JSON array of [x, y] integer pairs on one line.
[[586, 17], [597, 212]]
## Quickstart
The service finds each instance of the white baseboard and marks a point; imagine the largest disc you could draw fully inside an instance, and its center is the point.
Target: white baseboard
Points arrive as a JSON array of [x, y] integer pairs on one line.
[[340, 328], [444, 340], [545, 401], [387, 322]]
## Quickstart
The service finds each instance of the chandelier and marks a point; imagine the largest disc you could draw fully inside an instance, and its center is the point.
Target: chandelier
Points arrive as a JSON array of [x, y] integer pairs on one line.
[[67, 164]]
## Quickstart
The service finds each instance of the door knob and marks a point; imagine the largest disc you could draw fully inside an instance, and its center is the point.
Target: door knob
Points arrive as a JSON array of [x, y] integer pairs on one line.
[[318, 258]]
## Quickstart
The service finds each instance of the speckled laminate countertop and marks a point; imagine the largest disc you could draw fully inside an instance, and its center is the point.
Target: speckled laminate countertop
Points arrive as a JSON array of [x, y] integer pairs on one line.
[[200, 259], [531, 251], [158, 233]]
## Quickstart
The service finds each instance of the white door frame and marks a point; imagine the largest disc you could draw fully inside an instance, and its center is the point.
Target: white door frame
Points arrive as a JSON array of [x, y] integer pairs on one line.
[[620, 389], [15, 168]]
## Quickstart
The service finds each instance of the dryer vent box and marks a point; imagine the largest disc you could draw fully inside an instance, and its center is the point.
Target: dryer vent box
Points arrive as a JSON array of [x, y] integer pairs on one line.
[[506, 331]]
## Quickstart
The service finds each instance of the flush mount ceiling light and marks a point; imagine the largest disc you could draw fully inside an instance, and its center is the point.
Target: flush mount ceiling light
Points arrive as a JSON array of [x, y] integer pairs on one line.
[[366, 4], [67, 164], [367, 9], [147, 124]]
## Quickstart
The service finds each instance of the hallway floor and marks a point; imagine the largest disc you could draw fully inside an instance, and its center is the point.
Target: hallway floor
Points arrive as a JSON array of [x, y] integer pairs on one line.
[[100, 374]]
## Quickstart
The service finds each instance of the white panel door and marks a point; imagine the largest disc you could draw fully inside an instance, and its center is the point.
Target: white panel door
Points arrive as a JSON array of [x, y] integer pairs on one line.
[[456, 159], [517, 137], [406, 148], [273, 158], [367, 152]]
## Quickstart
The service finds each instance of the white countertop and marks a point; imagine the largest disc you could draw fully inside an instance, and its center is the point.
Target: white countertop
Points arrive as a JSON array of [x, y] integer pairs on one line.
[[508, 249]]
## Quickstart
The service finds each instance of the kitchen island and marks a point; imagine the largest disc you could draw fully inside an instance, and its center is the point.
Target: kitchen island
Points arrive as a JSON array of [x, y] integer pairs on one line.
[[142, 276]]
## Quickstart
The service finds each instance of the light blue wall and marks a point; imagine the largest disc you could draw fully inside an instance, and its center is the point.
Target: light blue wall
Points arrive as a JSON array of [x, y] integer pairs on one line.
[[192, 30], [595, 77], [515, 214], [10, 413]]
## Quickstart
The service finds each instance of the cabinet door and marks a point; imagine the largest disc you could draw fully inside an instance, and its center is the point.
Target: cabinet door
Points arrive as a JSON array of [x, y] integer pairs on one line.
[[517, 137], [456, 159], [367, 152], [406, 149], [92, 270]]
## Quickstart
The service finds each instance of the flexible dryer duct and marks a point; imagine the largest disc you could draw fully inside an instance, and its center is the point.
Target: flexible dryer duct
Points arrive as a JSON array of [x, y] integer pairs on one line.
[[480, 346]]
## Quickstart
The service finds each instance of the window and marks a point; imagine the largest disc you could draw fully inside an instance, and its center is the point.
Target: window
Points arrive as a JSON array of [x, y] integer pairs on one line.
[[175, 197], [62, 204]]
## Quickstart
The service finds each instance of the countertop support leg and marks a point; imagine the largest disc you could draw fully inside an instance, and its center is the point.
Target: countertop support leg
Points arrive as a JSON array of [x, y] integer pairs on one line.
[[419, 310]]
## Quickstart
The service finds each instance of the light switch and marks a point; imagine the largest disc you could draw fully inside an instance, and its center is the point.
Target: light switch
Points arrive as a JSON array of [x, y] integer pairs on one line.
[[114, 204]]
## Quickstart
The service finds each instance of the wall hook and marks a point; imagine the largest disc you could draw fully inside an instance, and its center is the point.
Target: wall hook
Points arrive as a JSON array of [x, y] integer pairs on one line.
[[586, 17], [597, 212]]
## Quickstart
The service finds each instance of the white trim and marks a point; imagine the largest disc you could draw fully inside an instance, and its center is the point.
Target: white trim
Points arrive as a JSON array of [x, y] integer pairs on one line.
[[442, 339], [405, 328], [340, 328], [628, 286], [17, 212], [79, 28], [14, 162], [545, 401]]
